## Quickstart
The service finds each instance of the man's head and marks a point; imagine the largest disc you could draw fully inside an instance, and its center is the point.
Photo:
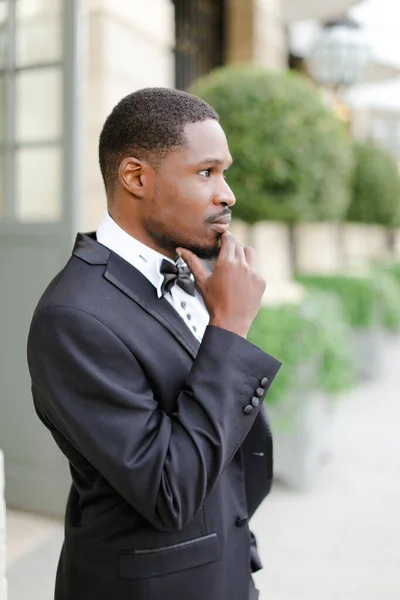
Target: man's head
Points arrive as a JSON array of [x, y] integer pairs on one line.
[[163, 156]]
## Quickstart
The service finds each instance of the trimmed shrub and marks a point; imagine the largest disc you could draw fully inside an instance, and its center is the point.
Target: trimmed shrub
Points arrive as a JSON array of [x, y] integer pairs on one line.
[[292, 156], [336, 372], [366, 301], [356, 295], [375, 186], [314, 331], [392, 269]]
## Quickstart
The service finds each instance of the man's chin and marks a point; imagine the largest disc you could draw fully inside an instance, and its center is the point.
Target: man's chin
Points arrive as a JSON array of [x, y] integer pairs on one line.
[[206, 252]]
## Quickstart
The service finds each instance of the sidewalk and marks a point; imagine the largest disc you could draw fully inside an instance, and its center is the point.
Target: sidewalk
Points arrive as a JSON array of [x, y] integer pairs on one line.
[[339, 542], [33, 548], [342, 541]]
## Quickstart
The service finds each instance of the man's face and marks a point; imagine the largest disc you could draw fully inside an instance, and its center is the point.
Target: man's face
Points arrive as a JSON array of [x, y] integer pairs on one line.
[[190, 193]]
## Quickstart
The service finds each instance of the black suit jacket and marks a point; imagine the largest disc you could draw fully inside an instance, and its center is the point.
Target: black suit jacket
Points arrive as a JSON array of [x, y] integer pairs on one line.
[[167, 462]]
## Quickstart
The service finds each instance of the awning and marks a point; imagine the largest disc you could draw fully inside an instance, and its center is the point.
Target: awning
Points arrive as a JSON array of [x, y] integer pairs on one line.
[[297, 10]]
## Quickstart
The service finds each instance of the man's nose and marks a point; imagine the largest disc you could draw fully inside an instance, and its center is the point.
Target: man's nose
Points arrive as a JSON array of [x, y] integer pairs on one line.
[[224, 196]]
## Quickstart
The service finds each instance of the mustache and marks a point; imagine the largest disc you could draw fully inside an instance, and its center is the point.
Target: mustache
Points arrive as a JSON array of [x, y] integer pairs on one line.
[[214, 218]]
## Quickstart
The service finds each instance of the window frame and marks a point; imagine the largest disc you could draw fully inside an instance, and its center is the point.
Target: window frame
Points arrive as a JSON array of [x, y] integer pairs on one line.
[[70, 140]]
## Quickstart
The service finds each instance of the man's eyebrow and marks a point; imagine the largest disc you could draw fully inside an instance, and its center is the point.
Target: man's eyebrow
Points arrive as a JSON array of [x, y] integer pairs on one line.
[[214, 161]]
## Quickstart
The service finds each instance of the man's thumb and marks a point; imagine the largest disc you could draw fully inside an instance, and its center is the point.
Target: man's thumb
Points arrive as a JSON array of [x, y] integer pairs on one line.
[[194, 263]]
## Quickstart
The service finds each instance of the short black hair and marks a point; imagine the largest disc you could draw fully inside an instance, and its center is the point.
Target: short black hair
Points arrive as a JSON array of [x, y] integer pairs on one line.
[[148, 124]]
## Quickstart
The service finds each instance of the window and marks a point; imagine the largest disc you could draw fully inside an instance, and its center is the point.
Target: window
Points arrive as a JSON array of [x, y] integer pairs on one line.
[[38, 27], [31, 110]]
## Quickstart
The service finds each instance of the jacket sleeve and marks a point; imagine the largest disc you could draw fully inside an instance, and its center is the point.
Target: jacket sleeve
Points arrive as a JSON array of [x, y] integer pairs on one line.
[[96, 394]]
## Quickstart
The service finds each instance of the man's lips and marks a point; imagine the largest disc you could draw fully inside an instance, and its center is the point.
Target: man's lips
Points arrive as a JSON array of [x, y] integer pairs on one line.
[[224, 220], [221, 224]]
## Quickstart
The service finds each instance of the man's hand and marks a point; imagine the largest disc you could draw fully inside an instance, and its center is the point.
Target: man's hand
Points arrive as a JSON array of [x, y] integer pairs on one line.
[[232, 292]]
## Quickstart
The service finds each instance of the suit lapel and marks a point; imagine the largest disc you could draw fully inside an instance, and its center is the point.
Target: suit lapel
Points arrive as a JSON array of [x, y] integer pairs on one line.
[[135, 285]]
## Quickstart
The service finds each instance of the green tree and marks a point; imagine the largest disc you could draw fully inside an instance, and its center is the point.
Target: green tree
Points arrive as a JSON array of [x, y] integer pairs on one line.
[[375, 186], [292, 156]]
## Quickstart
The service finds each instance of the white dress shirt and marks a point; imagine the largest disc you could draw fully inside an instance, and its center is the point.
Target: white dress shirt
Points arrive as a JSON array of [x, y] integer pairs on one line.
[[148, 262]]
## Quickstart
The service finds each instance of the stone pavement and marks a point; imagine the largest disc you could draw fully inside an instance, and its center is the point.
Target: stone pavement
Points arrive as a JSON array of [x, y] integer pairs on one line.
[[33, 548], [342, 540], [339, 542]]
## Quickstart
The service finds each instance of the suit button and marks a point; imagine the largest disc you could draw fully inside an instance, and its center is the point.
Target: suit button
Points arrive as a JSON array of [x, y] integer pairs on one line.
[[265, 382], [260, 392], [255, 402], [240, 521], [248, 409]]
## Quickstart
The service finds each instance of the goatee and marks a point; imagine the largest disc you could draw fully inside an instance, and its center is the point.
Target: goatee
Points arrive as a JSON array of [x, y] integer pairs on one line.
[[170, 243]]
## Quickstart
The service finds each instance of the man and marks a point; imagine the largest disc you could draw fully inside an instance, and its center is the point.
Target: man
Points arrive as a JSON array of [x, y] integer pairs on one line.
[[146, 381]]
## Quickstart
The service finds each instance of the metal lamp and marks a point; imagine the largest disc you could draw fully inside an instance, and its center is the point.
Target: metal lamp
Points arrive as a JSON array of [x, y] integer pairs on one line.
[[340, 55]]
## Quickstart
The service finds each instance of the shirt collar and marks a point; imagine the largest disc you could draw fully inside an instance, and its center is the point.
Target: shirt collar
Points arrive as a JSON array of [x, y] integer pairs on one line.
[[142, 257]]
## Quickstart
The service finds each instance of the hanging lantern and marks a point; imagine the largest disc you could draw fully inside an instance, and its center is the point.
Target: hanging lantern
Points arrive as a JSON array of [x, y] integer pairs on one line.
[[341, 54]]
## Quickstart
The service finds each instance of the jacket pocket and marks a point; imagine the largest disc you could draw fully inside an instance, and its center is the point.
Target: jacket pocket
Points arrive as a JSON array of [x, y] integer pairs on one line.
[[139, 564]]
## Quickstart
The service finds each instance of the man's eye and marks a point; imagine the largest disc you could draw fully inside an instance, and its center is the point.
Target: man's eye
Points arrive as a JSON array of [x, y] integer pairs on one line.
[[205, 173]]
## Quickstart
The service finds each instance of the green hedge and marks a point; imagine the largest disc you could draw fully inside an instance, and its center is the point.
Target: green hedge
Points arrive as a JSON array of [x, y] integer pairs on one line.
[[392, 269], [387, 290], [337, 366], [356, 294], [375, 186], [315, 331], [292, 156], [366, 301]]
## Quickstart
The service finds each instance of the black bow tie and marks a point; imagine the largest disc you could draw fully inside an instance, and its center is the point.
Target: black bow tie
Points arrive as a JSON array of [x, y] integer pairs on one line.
[[179, 274]]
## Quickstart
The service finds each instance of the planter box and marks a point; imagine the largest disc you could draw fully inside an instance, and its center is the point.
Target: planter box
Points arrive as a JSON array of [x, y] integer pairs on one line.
[[362, 244], [317, 248], [285, 292], [396, 245], [369, 351], [271, 242], [378, 242], [302, 428], [241, 231], [303, 438]]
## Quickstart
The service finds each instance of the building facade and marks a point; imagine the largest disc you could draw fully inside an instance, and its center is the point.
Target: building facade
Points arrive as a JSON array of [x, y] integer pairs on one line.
[[63, 66]]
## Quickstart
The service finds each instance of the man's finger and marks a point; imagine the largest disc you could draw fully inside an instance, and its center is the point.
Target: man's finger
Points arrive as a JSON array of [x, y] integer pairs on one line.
[[239, 252], [228, 246], [250, 255], [194, 263]]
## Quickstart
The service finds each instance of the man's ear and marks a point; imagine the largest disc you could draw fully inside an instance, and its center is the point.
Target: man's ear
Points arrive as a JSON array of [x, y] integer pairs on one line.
[[133, 176]]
